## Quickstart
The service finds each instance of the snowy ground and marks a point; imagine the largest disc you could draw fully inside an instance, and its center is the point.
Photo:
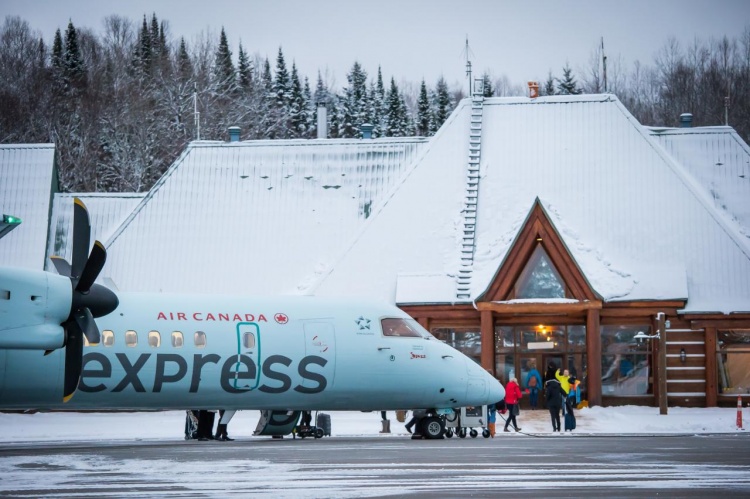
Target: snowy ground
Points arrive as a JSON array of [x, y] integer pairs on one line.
[[67, 427]]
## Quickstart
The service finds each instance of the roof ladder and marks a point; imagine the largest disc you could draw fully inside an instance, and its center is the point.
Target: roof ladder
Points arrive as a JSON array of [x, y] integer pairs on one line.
[[463, 285]]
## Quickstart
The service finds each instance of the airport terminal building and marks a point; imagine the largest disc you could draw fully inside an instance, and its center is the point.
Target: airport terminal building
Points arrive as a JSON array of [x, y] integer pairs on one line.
[[526, 232]]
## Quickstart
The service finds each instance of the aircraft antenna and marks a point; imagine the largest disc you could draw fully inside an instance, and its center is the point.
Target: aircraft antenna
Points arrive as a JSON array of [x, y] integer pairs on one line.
[[467, 53], [196, 114], [604, 66]]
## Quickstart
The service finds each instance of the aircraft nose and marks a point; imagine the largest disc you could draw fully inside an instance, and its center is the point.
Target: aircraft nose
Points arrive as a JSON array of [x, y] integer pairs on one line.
[[483, 388]]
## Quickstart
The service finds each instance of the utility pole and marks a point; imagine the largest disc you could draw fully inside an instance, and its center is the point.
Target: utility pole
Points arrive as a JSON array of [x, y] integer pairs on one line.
[[467, 51], [196, 114]]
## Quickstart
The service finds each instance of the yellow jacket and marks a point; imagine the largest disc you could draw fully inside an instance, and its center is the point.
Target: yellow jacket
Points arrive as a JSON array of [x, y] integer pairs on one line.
[[564, 383]]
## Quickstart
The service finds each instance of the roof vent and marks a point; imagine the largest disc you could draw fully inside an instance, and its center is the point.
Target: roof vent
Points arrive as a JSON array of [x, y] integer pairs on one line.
[[533, 89], [322, 122], [234, 134], [366, 130], [686, 120]]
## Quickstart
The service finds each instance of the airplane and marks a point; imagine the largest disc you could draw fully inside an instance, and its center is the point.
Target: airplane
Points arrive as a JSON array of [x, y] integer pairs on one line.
[[64, 335]]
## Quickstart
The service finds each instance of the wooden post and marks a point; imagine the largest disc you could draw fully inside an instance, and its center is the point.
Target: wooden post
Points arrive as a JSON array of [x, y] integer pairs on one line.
[[712, 377], [487, 331], [662, 366], [594, 357]]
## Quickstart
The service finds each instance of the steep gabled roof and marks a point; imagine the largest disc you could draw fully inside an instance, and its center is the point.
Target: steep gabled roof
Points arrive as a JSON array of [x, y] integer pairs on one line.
[[27, 180], [719, 160], [252, 217], [637, 225]]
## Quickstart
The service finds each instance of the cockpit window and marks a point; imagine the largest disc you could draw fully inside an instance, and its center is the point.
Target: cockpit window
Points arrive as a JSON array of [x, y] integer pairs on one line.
[[401, 327]]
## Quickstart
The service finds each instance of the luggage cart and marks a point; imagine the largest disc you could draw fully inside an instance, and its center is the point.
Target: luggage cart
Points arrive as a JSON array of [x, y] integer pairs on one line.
[[467, 421]]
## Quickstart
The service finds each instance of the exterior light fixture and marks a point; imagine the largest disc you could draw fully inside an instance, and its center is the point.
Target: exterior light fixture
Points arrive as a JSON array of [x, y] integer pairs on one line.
[[683, 355], [640, 336]]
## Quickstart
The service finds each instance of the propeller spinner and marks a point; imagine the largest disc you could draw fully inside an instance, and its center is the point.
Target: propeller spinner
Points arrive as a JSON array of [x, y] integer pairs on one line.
[[89, 300]]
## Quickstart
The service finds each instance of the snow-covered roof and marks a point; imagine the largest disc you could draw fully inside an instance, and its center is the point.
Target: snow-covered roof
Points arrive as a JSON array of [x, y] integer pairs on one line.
[[252, 217], [27, 181], [719, 160], [637, 223], [106, 213]]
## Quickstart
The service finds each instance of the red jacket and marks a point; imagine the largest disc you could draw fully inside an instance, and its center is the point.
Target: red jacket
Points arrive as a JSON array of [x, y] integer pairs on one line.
[[512, 393]]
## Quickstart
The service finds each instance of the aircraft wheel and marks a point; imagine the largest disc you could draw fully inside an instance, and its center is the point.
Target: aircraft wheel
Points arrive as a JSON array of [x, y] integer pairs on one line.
[[486, 433], [449, 433], [433, 427], [462, 433], [473, 433], [319, 433]]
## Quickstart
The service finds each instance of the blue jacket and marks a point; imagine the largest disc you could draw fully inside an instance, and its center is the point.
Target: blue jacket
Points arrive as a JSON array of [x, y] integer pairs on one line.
[[534, 374]]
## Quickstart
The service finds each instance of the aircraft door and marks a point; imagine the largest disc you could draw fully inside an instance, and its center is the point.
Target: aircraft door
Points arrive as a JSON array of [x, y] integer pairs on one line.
[[320, 352], [248, 354]]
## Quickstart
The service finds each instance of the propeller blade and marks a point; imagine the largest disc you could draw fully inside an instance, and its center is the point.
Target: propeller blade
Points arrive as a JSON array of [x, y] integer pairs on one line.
[[81, 238], [62, 265], [73, 359], [85, 322], [94, 265]]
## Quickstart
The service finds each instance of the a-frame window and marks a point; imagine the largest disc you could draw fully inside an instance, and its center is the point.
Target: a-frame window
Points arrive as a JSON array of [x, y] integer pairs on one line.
[[539, 278]]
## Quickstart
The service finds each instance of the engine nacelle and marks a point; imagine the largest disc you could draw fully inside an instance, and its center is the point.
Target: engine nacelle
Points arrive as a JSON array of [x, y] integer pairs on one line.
[[33, 304]]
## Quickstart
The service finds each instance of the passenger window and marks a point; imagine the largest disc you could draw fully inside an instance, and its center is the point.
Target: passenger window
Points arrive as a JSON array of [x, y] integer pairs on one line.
[[200, 339], [177, 339], [400, 327], [108, 338], [131, 338], [249, 340], [154, 339]]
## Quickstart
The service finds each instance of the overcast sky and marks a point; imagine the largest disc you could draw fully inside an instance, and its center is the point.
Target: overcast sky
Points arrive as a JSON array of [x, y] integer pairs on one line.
[[415, 39]]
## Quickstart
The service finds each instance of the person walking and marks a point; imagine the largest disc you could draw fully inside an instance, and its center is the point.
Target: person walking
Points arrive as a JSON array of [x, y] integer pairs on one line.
[[533, 383], [512, 402], [491, 419], [553, 394]]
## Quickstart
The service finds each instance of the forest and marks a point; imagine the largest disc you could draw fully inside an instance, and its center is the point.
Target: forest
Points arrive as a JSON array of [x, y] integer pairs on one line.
[[123, 103]]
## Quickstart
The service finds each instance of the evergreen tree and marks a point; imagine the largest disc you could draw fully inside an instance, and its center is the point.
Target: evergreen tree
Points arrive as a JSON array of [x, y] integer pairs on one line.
[[568, 85], [142, 54], [57, 51], [549, 87], [308, 110], [378, 106], [488, 91], [394, 116], [424, 112], [297, 118], [355, 102], [74, 69], [184, 64], [223, 67], [442, 103], [244, 70], [281, 85]]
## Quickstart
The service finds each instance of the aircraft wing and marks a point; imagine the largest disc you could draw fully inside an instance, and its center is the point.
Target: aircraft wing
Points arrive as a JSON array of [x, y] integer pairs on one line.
[[7, 224]]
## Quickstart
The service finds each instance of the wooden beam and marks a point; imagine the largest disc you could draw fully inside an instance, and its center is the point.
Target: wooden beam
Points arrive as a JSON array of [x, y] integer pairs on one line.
[[721, 324], [662, 364], [538, 307], [712, 381], [594, 357], [488, 341], [633, 312]]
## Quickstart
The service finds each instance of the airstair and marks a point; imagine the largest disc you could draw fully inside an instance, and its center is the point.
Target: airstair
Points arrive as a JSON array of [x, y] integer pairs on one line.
[[463, 285]]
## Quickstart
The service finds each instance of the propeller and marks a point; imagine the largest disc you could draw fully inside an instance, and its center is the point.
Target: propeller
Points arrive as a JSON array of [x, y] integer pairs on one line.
[[89, 300]]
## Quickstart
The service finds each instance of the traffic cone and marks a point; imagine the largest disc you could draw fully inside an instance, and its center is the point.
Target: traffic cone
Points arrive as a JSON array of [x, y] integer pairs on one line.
[[739, 412]]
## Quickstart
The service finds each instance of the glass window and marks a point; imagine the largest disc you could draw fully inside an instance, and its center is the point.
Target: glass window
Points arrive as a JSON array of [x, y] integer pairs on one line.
[[504, 338], [200, 339], [467, 340], [154, 339], [577, 338], [177, 339], [626, 363], [733, 361], [131, 338], [542, 337], [540, 278], [108, 338], [400, 327], [248, 340], [504, 368]]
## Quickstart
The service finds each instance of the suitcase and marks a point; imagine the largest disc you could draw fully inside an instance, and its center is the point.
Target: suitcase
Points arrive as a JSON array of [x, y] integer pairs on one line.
[[570, 421], [323, 421]]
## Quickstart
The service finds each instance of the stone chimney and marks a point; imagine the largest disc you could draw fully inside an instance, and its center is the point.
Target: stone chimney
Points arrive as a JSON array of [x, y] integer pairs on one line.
[[234, 134]]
